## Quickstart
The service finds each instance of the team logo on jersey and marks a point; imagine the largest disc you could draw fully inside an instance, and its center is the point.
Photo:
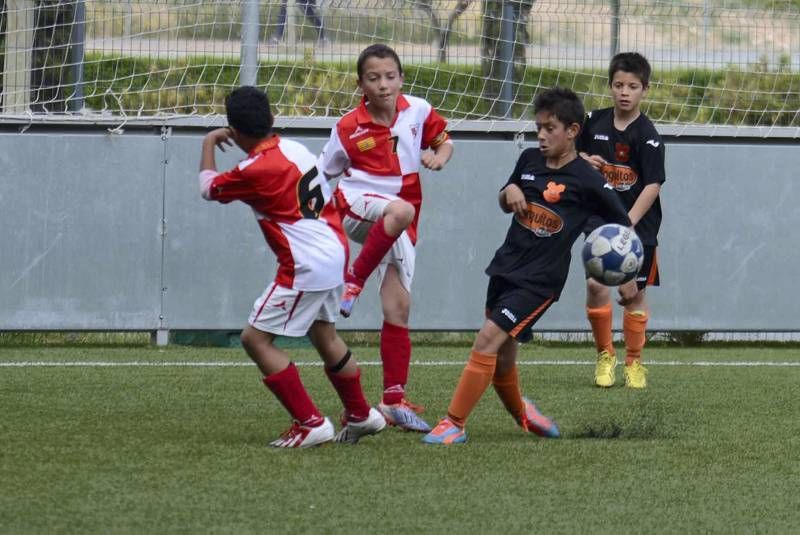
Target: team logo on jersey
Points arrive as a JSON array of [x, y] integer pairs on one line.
[[653, 142], [553, 192], [414, 129], [619, 177], [540, 220], [360, 131], [622, 152], [601, 137], [366, 144]]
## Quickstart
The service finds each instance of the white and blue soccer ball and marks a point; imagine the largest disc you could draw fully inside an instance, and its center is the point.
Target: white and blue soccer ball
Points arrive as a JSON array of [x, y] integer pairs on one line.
[[613, 254]]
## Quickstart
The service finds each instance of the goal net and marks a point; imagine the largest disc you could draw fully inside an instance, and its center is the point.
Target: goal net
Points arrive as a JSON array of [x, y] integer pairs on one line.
[[733, 63]]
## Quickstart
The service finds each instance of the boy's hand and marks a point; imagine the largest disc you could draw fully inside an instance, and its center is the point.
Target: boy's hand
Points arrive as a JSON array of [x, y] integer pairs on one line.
[[627, 292], [433, 161], [595, 160], [220, 137], [515, 200]]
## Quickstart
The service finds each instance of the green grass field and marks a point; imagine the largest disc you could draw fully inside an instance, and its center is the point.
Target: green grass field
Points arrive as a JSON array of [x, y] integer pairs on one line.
[[181, 447]]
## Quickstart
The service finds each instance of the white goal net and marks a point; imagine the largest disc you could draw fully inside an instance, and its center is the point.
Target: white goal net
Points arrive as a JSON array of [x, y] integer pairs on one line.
[[716, 62]]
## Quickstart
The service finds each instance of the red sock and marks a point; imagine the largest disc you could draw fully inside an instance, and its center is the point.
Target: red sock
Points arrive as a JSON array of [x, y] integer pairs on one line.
[[375, 247], [289, 389], [396, 357], [350, 392]]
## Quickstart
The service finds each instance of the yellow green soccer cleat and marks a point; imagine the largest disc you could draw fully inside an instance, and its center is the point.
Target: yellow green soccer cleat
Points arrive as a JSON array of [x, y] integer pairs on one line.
[[604, 369], [636, 375]]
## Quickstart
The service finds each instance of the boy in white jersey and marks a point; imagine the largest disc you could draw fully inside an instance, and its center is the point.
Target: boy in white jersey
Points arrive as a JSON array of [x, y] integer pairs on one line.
[[279, 180], [378, 148]]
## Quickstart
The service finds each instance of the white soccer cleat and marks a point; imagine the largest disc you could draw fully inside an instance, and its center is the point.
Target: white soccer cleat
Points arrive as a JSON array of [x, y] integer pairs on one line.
[[301, 436], [353, 431]]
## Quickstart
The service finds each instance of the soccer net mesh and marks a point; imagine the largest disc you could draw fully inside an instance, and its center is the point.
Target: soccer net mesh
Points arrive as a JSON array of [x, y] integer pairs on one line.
[[716, 62]]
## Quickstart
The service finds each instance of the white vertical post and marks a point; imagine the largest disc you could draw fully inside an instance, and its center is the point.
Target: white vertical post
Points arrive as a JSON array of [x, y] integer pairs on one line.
[[18, 57], [248, 68]]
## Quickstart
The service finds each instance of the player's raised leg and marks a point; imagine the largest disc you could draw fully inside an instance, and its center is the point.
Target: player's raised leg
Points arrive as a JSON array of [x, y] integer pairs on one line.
[[309, 427], [397, 216]]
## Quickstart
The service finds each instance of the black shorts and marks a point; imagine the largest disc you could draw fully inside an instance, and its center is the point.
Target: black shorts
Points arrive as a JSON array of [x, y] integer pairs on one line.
[[648, 275], [515, 309]]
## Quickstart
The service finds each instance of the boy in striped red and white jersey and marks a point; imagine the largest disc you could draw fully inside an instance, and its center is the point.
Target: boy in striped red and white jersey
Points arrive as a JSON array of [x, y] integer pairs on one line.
[[291, 201], [378, 148]]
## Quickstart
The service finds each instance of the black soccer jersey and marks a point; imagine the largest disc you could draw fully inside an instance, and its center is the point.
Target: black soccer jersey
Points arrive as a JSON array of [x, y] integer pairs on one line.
[[537, 249], [635, 159]]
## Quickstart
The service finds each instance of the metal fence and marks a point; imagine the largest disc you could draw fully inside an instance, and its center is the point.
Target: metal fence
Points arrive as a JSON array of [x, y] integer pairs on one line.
[[717, 62]]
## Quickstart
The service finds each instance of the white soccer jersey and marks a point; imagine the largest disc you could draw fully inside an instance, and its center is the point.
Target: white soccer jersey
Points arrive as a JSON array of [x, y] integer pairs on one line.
[[379, 159]]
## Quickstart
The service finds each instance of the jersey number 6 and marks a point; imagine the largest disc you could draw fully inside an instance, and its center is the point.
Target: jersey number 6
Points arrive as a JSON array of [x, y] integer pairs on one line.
[[310, 194]]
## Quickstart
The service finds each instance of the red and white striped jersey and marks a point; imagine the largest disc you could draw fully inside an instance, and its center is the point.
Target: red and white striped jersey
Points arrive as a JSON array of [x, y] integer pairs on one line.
[[379, 159], [292, 204]]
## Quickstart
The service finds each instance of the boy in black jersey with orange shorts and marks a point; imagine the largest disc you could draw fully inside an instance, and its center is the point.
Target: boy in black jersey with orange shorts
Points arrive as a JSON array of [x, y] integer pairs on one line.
[[552, 193], [625, 147]]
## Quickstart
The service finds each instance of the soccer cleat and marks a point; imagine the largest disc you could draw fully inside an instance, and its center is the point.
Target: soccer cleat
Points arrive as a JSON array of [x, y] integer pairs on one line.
[[419, 409], [636, 375], [351, 293], [535, 422], [445, 433], [604, 369], [402, 415], [302, 436], [353, 431]]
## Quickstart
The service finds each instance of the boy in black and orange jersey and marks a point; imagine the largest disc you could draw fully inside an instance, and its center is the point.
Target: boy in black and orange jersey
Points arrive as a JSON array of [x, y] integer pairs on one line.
[[552, 193], [625, 147]]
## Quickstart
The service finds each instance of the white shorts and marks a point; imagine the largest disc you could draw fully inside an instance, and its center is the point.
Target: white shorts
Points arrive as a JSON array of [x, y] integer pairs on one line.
[[363, 210], [286, 312]]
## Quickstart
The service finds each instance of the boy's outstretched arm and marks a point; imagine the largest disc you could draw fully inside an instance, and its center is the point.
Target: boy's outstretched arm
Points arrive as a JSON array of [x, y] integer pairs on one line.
[[436, 158]]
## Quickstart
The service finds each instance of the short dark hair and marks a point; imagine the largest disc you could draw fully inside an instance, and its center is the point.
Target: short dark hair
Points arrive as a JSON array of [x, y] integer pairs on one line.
[[248, 111], [561, 102], [631, 62], [377, 51]]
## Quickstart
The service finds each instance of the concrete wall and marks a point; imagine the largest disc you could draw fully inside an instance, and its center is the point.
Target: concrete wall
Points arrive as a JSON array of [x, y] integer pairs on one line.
[[108, 231]]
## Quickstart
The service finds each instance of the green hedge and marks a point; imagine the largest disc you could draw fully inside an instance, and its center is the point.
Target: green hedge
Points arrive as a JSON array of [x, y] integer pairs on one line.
[[758, 97]]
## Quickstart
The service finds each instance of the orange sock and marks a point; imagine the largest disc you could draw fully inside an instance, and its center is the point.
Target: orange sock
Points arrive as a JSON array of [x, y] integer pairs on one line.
[[600, 319], [507, 387], [474, 381], [634, 325]]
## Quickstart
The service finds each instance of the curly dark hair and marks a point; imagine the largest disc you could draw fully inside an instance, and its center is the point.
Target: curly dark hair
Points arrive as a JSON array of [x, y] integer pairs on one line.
[[248, 111]]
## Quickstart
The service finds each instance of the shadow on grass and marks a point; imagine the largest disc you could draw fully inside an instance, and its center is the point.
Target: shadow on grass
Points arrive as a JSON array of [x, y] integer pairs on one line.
[[641, 419]]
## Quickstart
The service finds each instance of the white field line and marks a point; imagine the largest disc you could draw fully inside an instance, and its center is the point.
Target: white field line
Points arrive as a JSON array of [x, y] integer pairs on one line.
[[443, 363]]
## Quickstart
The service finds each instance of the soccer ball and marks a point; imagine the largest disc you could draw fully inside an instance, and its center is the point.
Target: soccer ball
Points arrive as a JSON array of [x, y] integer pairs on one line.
[[612, 254]]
